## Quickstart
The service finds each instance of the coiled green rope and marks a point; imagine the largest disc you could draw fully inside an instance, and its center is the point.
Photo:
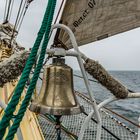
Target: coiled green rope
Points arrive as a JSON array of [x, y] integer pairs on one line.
[[46, 25]]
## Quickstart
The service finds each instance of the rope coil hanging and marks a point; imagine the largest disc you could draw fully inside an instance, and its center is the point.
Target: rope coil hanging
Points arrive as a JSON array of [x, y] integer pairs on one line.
[[45, 29]]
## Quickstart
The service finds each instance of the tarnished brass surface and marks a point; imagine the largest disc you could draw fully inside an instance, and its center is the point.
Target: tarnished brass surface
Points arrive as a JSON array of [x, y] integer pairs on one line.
[[57, 95]]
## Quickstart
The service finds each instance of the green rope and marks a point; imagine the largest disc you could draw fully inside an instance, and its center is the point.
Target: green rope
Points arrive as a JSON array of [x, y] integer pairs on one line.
[[31, 88], [24, 77]]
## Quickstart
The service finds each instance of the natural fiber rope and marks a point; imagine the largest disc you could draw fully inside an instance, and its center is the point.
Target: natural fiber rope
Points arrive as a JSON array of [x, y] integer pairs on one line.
[[11, 68], [24, 77], [98, 72]]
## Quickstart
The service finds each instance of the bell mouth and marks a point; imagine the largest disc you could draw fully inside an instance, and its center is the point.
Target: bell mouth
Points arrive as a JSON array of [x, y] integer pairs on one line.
[[42, 109]]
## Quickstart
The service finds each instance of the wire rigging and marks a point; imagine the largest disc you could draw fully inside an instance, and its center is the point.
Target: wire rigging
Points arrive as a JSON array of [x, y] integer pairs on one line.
[[62, 3], [21, 13], [5, 10], [25, 8], [16, 22], [131, 91], [11, 9], [20, 16], [83, 78]]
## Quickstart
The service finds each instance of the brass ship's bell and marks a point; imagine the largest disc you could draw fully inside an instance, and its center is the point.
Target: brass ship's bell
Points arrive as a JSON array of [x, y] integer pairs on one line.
[[57, 95]]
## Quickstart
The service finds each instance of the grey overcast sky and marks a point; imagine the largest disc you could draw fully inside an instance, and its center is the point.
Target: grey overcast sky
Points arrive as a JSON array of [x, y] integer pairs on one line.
[[120, 52]]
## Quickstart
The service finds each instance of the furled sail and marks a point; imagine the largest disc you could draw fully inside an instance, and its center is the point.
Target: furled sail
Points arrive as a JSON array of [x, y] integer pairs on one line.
[[93, 20]]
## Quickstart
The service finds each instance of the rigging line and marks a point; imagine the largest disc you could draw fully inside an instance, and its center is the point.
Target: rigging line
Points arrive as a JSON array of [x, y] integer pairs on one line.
[[21, 14], [8, 10], [11, 9], [99, 82], [19, 10], [21, 21], [59, 11], [88, 79], [5, 10], [124, 118], [58, 14]]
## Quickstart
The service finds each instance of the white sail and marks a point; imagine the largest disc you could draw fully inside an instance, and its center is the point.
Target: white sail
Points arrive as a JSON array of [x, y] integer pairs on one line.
[[92, 20]]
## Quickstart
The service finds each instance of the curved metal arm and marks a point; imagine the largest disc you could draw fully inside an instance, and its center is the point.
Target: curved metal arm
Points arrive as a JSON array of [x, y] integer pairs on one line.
[[88, 118], [75, 46], [107, 101], [133, 95]]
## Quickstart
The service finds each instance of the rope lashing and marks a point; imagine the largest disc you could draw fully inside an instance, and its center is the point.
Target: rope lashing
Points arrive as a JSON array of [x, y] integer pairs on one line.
[[12, 68], [31, 88], [98, 72], [24, 77]]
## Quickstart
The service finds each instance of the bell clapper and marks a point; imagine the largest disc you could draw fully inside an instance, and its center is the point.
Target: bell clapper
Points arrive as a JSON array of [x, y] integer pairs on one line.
[[58, 126]]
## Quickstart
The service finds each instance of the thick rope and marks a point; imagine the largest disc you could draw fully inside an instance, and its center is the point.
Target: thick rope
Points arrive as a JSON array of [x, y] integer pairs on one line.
[[31, 88], [11, 68], [98, 72], [24, 77]]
